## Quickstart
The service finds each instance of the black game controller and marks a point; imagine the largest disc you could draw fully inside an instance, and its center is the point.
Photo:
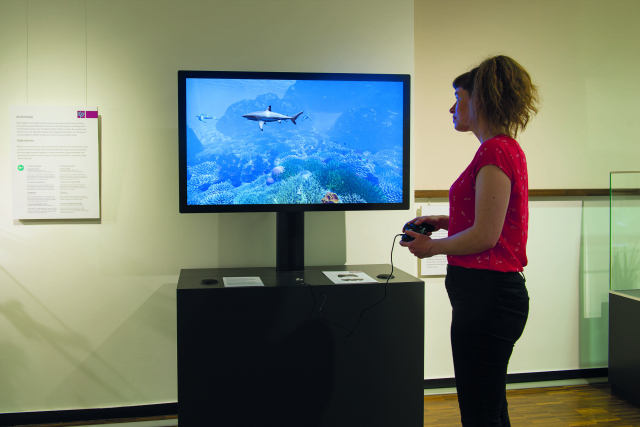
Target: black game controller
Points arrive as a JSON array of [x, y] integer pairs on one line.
[[423, 228]]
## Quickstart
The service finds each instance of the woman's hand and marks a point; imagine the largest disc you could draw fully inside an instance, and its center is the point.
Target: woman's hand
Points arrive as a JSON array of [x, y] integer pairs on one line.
[[422, 246]]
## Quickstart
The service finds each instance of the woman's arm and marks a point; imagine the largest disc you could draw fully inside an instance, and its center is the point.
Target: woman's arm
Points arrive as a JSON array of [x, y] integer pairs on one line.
[[493, 188]]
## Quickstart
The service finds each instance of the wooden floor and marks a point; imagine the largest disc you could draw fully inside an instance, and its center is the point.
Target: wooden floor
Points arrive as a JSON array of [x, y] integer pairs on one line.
[[584, 405]]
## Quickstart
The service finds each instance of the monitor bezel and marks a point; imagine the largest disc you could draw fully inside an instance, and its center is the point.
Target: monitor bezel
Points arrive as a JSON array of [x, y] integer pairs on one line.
[[183, 75]]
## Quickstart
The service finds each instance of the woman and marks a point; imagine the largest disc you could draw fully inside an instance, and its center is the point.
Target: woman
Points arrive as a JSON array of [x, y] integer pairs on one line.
[[487, 228]]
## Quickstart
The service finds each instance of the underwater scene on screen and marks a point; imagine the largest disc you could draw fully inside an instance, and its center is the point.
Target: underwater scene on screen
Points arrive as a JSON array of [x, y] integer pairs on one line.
[[293, 142]]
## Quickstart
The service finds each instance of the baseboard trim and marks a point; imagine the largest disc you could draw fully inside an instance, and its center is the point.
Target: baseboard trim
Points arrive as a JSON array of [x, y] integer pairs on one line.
[[157, 411], [529, 377]]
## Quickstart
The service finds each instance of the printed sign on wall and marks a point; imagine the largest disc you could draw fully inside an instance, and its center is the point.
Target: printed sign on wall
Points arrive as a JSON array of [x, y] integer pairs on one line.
[[54, 162]]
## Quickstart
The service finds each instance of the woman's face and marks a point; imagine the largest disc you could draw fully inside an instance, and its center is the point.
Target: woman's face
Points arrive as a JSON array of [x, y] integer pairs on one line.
[[461, 111]]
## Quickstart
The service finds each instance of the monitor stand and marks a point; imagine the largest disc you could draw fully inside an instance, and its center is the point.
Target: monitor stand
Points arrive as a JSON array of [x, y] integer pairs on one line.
[[289, 241]]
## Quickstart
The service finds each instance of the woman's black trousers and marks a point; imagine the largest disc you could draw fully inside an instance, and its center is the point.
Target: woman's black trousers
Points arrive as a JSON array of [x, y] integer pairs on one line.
[[490, 310]]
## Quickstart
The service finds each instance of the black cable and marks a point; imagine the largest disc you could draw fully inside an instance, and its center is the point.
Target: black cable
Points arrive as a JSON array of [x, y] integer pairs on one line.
[[311, 288], [385, 287], [364, 309]]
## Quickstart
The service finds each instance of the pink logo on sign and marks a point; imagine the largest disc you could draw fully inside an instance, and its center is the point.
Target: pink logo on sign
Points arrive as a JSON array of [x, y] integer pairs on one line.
[[81, 114]]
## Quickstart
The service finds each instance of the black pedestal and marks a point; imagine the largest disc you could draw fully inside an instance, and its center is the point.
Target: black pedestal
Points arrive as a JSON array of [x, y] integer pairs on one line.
[[262, 356]]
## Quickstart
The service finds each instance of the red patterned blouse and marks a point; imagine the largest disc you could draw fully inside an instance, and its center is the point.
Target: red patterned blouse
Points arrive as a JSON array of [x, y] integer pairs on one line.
[[510, 253]]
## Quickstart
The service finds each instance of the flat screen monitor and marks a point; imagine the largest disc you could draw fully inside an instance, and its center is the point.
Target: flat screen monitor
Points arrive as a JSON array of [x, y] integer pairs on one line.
[[293, 142]]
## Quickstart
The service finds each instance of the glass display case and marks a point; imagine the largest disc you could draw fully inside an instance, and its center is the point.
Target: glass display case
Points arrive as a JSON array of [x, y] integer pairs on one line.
[[624, 234]]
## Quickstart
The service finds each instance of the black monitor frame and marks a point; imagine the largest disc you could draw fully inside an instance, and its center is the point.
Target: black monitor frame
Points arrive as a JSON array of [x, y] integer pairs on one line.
[[182, 147]]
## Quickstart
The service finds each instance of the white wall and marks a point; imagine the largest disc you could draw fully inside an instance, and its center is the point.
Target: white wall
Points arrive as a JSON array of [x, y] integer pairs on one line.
[[581, 54], [578, 53], [567, 280], [87, 309]]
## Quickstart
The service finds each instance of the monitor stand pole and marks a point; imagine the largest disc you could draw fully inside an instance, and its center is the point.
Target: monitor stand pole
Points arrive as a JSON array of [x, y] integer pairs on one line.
[[290, 241]]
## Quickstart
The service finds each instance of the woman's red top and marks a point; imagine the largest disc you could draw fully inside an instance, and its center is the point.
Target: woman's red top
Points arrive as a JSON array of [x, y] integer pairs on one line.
[[510, 252]]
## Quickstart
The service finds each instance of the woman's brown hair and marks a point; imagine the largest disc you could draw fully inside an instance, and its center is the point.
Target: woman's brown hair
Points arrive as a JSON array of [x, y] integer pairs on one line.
[[502, 94]]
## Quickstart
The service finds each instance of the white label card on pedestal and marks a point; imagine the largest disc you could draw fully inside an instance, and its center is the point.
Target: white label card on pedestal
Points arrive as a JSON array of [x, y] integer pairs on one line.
[[231, 282], [55, 171], [349, 277]]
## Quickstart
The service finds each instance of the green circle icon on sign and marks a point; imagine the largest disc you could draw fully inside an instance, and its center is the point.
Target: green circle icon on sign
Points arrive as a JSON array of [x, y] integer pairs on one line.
[[20, 167]]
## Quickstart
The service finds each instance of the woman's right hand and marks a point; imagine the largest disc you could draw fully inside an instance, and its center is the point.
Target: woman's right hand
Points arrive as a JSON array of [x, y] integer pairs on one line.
[[438, 221]]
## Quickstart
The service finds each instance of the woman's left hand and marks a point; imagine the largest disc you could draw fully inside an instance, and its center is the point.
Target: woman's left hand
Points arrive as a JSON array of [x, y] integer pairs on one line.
[[422, 247]]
